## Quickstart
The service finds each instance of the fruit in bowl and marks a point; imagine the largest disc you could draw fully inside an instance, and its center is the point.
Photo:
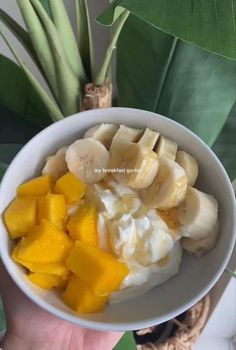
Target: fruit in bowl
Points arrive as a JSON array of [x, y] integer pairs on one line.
[[104, 212]]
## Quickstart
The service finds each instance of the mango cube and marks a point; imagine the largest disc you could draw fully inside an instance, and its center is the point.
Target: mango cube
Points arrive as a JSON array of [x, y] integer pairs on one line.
[[36, 187], [53, 208], [83, 225], [102, 271], [80, 297], [45, 243], [47, 281], [56, 268], [71, 187], [20, 216]]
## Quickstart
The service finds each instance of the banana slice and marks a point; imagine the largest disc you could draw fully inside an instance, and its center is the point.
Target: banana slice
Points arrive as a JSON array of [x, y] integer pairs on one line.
[[121, 141], [197, 214], [88, 159], [189, 164], [139, 167], [166, 148], [203, 245], [168, 188], [56, 164], [149, 138], [103, 133]]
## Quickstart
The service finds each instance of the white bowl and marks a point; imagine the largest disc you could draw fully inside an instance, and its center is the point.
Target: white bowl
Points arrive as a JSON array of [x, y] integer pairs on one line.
[[196, 276]]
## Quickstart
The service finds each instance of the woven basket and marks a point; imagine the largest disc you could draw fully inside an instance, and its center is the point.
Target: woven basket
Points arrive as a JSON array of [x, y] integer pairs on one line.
[[187, 331]]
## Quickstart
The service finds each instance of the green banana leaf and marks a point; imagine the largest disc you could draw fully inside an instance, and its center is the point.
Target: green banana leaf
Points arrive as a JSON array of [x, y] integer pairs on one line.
[[210, 24], [225, 145], [2, 315], [17, 94], [127, 342], [3, 168], [160, 73], [15, 129]]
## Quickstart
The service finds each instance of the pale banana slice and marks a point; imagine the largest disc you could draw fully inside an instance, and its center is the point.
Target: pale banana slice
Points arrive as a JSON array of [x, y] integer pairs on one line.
[[103, 133], [168, 188], [121, 141], [149, 138], [56, 164], [197, 214], [166, 148], [189, 164], [88, 159], [139, 167], [203, 245]]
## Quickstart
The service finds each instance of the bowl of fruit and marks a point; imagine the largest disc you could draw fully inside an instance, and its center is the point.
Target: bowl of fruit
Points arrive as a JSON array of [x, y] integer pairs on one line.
[[116, 219]]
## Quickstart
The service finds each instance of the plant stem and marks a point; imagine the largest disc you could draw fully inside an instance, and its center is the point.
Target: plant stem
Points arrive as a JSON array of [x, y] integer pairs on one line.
[[101, 76]]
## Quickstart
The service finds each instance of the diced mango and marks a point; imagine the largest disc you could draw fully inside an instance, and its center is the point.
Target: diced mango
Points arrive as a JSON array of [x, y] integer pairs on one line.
[[20, 216], [53, 208], [83, 225], [71, 187], [103, 272], [45, 243], [56, 268], [36, 187], [80, 297], [47, 281]]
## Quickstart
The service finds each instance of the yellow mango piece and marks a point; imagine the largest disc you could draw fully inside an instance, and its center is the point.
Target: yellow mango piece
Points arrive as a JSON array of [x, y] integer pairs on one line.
[[71, 187], [102, 271], [47, 281], [80, 297], [53, 208], [20, 216], [36, 187], [56, 268], [83, 225], [45, 243]]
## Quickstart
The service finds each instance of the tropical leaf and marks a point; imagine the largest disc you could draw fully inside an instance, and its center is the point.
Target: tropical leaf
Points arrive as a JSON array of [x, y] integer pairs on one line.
[[104, 70], [67, 37], [68, 83], [46, 6], [127, 342], [3, 325], [40, 43], [225, 145], [160, 73], [8, 152], [3, 168], [19, 33], [16, 93], [85, 39], [15, 129], [210, 24], [43, 94]]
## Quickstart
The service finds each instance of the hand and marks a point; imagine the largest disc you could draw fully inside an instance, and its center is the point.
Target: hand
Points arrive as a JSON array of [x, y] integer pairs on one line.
[[31, 328]]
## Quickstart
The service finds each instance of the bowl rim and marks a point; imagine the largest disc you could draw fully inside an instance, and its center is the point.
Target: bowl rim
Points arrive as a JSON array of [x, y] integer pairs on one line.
[[120, 326]]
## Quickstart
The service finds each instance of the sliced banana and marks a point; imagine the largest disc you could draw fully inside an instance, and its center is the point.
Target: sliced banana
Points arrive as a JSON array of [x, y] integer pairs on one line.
[[56, 164], [197, 214], [103, 133], [149, 138], [88, 159], [203, 245], [120, 143], [166, 148], [139, 166], [168, 188], [189, 164]]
